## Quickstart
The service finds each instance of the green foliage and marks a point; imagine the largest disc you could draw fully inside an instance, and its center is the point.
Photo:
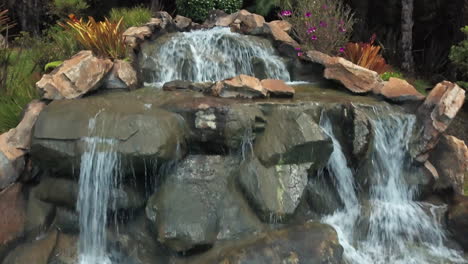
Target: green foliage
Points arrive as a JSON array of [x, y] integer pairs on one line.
[[63, 8], [264, 7], [387, 75], [132, 17], [463, 85], [323, 25], [228, 6], [52, 65], [459, 57], [421, 85], [197, 10]]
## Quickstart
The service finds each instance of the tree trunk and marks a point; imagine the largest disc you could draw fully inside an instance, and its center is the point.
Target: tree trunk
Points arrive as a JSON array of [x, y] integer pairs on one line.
[[155, 6], [407, 35]]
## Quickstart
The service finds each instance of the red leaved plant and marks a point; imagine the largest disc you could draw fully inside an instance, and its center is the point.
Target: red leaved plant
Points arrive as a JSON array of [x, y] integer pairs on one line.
[[366, 55]]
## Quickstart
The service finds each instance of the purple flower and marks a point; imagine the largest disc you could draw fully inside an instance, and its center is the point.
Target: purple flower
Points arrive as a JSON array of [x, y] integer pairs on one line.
[[323, 24], [308, 14], [311, 30], [342, 29], [286, 13], [299, 54], [313, 37], [298, 49], [341, 22], [342, 50]]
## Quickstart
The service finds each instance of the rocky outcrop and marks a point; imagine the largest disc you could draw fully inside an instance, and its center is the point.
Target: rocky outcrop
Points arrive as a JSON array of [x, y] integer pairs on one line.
[[75, 77], [122, 76], [308, 243], [12, 208], [434, 116], [182, 23], [450, 158], [456, 220], [37, 252], [136, 35], [242, 86], [277, 88], [15, 144], [399, 90], [355, 78]]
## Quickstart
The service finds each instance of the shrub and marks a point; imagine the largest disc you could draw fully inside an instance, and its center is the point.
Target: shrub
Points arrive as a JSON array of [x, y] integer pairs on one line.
[[366, 55], [264, 7], [323, 25], [389, 74], [197, 10], [228, 6], [132, 17], [62, 8], [459, 57], [104, 38]]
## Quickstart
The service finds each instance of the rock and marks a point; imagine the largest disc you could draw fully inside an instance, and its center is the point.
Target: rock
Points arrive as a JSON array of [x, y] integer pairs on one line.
[[182, 23], [277, 88], [450, 158], [275, 192], [154, 24], [399, 90], [39, 215], [195, 207], [66, 250], [166, 20], [250, 23], [361, 133], [16, 143], [36, 252], [64, 192], [287, 45], [355, 78], [281, 24], [214, 16], [186, 85], [434, 116], [141, 130], [292, 137], [66, 220], [311, 242], [12, 208], [140, 33], [456, 220], [122, 76], [322, 195], [75, 77], [243, 86], [317, 57]]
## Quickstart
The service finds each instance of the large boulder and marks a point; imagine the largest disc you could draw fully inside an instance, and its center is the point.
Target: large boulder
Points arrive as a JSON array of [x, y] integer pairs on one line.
[[275, 192], [250, 23], [434, 116], [283, 41], [310, 243], [16, 143], [194, 206], [277, 88], [75, 77], [450, 158], [13, 215], [242, 86], [456, 220], [355, 78], [122, 76], [399, 90], [37, 252]]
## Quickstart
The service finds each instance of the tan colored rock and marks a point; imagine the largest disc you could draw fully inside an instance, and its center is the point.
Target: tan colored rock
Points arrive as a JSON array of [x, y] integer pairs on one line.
[[140, 33], [122, 76], [250, 23], [12, 211], [182, 23], [277, 88], [37, 252], [242, 86], [154, 24], [278, 34], [317, 57], [355, 78], [399, 90], [15, 144], [435, 115], [66, 249], [225, 21], [77, 76], [450, 157], [282, 24]]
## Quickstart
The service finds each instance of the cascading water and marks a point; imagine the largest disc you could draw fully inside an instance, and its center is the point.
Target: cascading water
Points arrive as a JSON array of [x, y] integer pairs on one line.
[[98, 170], [211, 55], [399, 231]]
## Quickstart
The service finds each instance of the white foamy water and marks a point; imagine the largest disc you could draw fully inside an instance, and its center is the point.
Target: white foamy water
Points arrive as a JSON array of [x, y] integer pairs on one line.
[[398, 231], [212, 55], [98, 170]]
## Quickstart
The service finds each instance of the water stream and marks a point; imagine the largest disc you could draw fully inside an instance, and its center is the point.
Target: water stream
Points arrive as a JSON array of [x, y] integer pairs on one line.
[[211, 55], [398, 231]]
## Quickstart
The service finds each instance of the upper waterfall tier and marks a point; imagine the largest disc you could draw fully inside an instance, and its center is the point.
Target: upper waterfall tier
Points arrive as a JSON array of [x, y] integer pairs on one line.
[[210, 55]]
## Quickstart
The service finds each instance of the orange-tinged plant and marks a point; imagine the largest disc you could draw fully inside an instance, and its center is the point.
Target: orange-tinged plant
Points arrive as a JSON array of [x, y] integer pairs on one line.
[[366, 55], [104, 38]]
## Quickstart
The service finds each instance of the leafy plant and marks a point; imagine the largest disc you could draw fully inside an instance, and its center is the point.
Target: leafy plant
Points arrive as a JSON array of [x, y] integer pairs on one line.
[[391, 74], [5, 23], [52, 65], [132, 17], [323, 25], [459, 57], [104, 38], [228, 6], [62, 8], [366, 55], [197, 10], [264, 7]]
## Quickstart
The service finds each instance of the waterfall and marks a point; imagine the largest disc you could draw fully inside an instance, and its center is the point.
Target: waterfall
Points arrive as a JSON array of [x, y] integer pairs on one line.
[[398, 231], [211, 55], [98, 170]]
